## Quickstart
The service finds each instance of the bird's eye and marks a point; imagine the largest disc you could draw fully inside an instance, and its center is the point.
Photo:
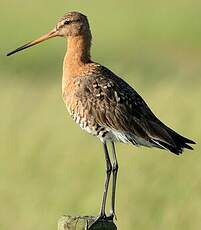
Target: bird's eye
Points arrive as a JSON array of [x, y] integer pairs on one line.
[[67, 22]]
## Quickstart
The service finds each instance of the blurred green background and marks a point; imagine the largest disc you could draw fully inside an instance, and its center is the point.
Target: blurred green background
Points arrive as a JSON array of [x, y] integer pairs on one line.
[[48, 166]]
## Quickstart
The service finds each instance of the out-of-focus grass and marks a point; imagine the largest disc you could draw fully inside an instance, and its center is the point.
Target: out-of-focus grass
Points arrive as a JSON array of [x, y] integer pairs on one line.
[[49, 167]]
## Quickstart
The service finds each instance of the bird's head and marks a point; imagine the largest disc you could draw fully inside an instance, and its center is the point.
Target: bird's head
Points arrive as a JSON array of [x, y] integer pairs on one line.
[[72, 24]]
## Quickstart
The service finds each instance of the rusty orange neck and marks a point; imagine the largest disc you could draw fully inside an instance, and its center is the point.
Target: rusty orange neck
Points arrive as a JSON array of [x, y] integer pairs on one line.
[[77, 55], [76, 59]]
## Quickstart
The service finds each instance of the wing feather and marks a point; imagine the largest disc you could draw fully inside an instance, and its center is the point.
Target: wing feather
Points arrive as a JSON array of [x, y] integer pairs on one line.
[[117, 106]]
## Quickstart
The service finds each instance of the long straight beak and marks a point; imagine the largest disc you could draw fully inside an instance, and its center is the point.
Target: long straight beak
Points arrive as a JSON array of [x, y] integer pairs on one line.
[[51, 34]]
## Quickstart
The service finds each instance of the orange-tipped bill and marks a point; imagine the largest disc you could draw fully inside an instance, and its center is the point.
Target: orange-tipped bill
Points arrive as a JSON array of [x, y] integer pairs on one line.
[[45, 37]]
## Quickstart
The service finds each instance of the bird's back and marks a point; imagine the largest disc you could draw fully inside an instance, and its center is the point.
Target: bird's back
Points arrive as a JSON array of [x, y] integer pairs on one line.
[[106, 106]]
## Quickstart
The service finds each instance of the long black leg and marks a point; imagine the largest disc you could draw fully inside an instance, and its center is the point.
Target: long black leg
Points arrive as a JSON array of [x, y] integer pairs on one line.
[[102, 214], [115, 168], [107, 180]]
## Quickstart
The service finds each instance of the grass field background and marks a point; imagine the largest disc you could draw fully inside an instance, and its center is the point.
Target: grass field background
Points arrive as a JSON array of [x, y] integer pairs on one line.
[[48, 166]]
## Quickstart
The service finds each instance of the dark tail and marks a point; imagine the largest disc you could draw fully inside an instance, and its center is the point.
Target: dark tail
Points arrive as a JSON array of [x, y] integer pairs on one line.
[[178, 143]]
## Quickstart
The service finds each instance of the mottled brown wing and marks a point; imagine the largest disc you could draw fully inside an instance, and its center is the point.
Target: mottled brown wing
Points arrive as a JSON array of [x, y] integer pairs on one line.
[[114, 104]]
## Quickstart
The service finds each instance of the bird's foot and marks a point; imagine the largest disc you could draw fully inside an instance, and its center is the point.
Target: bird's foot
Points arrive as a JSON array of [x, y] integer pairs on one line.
[[99, 218]]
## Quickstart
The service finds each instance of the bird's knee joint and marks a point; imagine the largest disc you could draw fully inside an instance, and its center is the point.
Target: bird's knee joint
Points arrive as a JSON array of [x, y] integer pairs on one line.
[[109, 169], [115, 167]]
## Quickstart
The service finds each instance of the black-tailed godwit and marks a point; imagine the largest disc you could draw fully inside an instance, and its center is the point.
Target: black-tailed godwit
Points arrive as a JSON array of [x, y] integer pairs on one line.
[[103, 104]]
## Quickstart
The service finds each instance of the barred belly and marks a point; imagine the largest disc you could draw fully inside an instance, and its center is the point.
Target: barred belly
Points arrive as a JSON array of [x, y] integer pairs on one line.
[[103, 133], [91, 127]]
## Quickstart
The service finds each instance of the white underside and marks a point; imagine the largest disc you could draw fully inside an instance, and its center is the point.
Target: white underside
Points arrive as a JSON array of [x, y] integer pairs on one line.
[[117, 136]]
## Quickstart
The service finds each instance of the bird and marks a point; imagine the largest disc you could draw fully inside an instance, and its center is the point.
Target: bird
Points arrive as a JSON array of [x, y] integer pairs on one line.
[[103, 104]]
